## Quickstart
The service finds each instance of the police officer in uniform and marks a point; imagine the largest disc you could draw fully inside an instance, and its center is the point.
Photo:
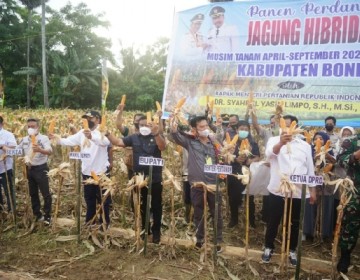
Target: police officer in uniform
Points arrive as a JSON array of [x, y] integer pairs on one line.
[[192, 43], [222, 37], [349, 158]]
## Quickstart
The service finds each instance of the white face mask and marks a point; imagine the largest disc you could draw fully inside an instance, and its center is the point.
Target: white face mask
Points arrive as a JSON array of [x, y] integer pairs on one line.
[[144, 130], [204, 133], [32, 131]]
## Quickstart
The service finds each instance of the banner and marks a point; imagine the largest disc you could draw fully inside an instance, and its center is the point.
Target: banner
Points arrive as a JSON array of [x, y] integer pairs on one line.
[[104, 86], [306, 54]]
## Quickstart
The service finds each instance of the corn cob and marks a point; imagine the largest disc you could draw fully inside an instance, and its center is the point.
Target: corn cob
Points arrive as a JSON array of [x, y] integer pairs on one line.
[[94, 176], [33, 139], [228, 139], [180, 103], [292, 127], [51, 126], [123, 99], [148, 117], [327, 145], [211, 104], [282, 124], [234, 140], [307, 136], [85, 124], [217, 112], [251, 98], [158, 106], [318, 146]]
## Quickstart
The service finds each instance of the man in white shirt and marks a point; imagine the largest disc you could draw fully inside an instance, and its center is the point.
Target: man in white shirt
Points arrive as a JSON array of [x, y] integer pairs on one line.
[[36, 157], [222, 37], [192, 43], [95, 145], [7, 141], [288, 155]]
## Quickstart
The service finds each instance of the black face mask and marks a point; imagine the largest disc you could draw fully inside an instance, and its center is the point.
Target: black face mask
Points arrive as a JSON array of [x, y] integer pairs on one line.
[[234, 127], [329, 127], [136, 125], [91, 124]]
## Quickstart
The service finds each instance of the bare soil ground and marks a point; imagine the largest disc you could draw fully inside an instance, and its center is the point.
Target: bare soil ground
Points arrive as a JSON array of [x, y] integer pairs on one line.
[[31, 251]]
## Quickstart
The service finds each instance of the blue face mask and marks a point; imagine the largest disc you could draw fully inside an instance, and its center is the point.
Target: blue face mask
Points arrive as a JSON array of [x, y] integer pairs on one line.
[[243, 134]]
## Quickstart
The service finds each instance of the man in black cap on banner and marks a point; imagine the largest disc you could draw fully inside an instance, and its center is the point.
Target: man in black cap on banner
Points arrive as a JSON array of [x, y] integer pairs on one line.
[[222, 37]]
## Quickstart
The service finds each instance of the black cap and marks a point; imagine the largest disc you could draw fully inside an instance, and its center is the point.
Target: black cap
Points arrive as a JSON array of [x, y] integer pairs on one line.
[[91, 114], [217, 11], [197, 18], [225, 118]]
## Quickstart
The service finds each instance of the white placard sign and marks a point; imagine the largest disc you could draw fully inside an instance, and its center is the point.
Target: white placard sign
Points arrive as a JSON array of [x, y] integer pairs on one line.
[[306, 179], [14, 152], [151, 161], [77, 155], [218, 169]]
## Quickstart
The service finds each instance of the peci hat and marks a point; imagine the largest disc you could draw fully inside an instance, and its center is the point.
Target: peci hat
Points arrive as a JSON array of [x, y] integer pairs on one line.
[[197, 18], [225, 118], [91, 114], [217, 11]]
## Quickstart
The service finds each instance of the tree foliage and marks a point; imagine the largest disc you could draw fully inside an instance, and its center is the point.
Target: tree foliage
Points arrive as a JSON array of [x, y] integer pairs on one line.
[[74, 54]]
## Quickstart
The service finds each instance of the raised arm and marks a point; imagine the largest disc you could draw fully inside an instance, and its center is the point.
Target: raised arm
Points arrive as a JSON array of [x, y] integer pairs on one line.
[[114, 140], [119, 120]]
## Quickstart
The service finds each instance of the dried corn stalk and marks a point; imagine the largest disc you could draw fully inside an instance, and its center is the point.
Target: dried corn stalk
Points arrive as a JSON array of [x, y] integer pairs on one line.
[[320, 153], [286, 186], [245, 176], [62, 172]]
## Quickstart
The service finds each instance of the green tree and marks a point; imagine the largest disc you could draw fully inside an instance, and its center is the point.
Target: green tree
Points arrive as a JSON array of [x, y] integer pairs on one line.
[[141, 76]]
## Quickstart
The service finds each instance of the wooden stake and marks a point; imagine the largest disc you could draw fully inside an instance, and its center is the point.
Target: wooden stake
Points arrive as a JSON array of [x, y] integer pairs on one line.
[[57, 205], [136, 200]]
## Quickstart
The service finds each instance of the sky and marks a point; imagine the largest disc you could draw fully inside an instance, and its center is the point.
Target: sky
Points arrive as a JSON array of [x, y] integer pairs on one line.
[[135, 22]]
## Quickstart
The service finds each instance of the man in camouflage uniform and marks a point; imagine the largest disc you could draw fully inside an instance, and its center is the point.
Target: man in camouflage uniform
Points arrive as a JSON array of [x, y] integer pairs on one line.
[[349, 158]]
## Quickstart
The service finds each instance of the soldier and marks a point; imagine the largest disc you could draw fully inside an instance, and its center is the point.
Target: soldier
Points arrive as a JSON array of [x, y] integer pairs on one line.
[[192, 43], [349, 158]]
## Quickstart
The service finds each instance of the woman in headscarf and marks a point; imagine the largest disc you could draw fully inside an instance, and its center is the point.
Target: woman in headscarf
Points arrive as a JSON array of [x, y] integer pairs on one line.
[[321, 214]]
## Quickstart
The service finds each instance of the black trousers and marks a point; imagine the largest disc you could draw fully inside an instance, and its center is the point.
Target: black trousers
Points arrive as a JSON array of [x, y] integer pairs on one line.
[[38, 180], [93, 197], [235, 192], [275, 215], [156, 206], [187, 192], [6, 182]]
